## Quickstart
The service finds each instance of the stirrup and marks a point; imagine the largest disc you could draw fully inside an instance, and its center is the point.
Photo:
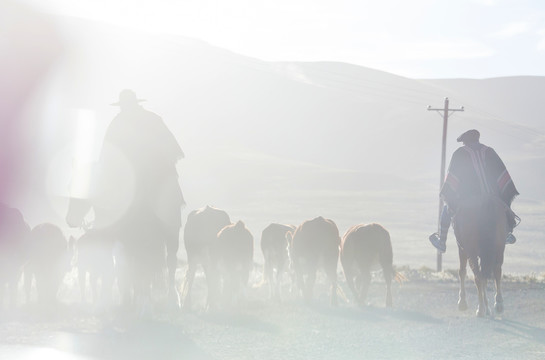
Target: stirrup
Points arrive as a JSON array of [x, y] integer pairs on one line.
[[511, 239], [439, 244]]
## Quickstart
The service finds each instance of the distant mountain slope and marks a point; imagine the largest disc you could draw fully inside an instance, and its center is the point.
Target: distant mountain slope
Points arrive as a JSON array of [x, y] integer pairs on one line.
[[335, 116]]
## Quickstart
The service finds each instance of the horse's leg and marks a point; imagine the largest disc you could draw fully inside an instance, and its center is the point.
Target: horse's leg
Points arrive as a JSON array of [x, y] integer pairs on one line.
[[93, 283], [172, 245], [481, 309], [13, 287], [106, 286], [82, 282], [498, 306], [485, 296], [28, 275], [462, 273]]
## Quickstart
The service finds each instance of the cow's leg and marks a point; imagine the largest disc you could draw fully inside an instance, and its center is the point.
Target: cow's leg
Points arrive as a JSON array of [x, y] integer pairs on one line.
[[268, 275], [187, 284], [278, 282], [309, 284], [388, 272], [462, 273], [333, 279], [331, 272], [299, 277], [388, 276], [365, 281], [349, 275]]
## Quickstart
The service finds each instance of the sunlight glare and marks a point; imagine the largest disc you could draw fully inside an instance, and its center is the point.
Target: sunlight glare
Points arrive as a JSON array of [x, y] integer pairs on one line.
[[83, 153]]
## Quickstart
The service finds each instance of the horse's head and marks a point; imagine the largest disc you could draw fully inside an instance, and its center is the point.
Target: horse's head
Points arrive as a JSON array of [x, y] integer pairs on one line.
[[77, 209]]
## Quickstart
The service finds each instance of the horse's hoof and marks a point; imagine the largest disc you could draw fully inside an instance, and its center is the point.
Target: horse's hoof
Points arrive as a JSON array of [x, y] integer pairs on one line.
[[462, 305], [498, 307]]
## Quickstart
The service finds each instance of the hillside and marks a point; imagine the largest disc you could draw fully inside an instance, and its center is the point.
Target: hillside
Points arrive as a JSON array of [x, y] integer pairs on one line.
[[284, 141]]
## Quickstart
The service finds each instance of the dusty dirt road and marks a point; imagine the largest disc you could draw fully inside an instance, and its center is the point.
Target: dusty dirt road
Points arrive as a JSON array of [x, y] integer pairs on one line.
[[423, 324]]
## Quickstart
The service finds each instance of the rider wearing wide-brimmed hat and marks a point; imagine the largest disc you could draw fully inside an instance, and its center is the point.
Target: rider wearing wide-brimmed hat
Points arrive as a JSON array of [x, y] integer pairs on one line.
[[138, 180]]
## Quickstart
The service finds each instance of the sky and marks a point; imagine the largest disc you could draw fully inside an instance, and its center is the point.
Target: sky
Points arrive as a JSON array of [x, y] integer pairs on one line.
[[416, 39]]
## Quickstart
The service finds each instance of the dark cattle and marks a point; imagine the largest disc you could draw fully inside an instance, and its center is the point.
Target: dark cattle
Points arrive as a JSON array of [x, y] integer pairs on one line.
[[94, 258], [14, 238], [200, 234], [315, 244], [234, 253], [50, 257], [274, 246], [141, 239], [480, 230], [363, 248]]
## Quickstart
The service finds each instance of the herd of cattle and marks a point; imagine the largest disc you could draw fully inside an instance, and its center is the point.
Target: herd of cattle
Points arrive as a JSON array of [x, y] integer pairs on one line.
[[224, 250]]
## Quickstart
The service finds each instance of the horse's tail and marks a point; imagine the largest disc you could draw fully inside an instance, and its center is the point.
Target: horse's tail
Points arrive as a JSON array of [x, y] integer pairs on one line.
[[487, 263], [488, 240]]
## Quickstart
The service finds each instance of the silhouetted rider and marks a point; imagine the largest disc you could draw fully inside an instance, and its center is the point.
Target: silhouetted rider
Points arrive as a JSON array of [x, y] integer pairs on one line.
[[137, 173], [475, 170]]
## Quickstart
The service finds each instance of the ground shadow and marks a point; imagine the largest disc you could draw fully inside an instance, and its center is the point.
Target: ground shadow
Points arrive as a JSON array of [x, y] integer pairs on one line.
[[373, 314], [142, 340], [525, 331], [241, 321]]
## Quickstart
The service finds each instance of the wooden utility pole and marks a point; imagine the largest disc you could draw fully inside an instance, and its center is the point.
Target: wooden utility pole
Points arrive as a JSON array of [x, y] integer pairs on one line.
[[446, 113]]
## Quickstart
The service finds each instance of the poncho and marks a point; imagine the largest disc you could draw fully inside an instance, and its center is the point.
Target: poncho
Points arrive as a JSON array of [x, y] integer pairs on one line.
[[475, 171]]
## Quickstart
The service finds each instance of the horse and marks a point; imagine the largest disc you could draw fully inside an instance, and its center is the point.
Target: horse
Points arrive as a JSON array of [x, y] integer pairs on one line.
[[480, 230], [94, 257], [138, 240]]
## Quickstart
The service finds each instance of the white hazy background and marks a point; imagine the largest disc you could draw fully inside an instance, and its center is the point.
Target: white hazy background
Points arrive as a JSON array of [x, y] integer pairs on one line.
[[287, 111]]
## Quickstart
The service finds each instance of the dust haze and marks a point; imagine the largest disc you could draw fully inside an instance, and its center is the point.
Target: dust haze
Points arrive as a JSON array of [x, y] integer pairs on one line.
[[268, 142]]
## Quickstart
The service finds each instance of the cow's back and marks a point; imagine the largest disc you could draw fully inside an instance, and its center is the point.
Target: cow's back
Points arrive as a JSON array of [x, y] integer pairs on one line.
[[316, 238], [202, 227], [273, 239], [235, 244], [366, 243]]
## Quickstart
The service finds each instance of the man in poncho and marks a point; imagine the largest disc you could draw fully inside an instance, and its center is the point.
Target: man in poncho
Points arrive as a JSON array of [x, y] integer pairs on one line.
[[475, 170], [137, 185]]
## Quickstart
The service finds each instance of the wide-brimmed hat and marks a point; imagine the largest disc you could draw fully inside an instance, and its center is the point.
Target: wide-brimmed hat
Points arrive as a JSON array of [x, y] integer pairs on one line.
[[127, 97], [470, 136]]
